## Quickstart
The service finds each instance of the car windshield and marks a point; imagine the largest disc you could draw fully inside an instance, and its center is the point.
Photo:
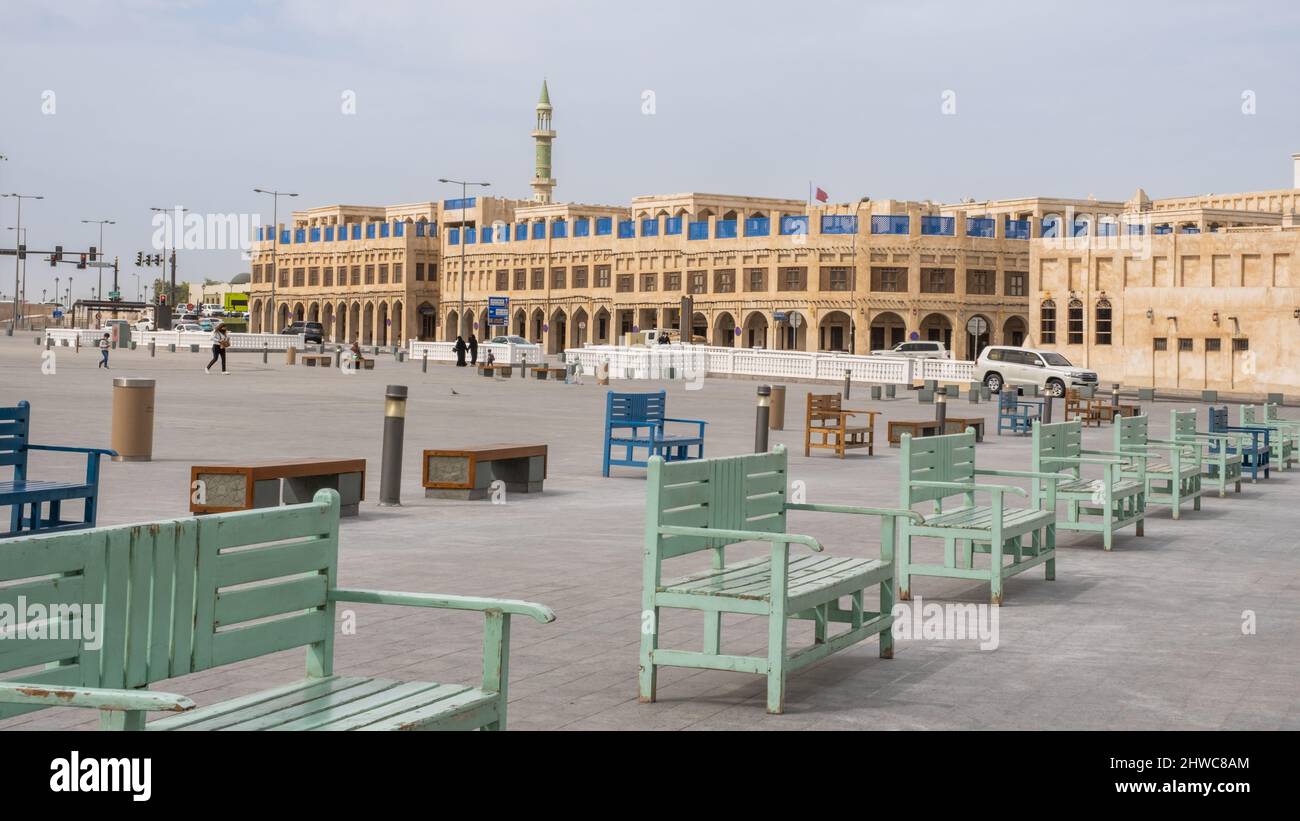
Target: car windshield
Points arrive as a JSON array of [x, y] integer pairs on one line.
[[1055, 359]]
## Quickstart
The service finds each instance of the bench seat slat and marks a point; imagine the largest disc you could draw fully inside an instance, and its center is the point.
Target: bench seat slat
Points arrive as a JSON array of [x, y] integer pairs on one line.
[[752, 579], [43, 490], [334, 713], [337, 698], [980, 517], [223, 714], [468, 708], [1121, 487]]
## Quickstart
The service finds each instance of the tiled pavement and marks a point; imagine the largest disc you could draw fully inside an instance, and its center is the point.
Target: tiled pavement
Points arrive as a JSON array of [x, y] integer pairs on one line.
[[1148, 636]]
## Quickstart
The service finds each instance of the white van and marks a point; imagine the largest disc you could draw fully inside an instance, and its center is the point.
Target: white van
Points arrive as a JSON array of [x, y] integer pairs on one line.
[[1000, 365], [917, 349]]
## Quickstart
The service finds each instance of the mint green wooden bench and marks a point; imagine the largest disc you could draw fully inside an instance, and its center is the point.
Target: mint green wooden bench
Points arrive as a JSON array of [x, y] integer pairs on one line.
[[1221, 463], [186, 595], [937, 468], [706, 505], [1172, 470], [1288, 431], [1103, 505]]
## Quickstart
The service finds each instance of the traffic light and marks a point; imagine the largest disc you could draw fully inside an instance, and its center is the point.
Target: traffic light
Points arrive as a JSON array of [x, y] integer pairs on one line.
[[139, 258], [157, 260], [82, 263], [57, 256], [94, 257]]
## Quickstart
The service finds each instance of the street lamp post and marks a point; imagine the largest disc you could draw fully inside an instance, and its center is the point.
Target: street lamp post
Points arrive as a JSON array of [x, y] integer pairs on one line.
[[20, 197], [100, 248], [275, 242], [175, 231], [463, 206]]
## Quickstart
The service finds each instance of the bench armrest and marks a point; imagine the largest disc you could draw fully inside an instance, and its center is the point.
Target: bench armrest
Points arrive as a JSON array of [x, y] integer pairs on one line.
[[539, 612], [1023, 474], [866, 511], [68, 449], [971, 487], [741, 535], [98, 698]]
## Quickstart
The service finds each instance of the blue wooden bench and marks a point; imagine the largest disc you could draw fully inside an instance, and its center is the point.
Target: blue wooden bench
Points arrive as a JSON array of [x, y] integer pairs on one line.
[[36, 505], [936, 468], [1286, 439], [1172, 469], [1255, 454], [637, 421], [1102, 505], [192, 594], [705, 506], [1015, 415]]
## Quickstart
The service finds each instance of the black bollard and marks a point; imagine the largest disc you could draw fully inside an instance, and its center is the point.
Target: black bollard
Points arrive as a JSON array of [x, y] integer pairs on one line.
[[847, 382], [152, 345], [390, 475], [264, 351], [424, 366], [762, 418], [1047, 407], [1114, 396], [941, 408]]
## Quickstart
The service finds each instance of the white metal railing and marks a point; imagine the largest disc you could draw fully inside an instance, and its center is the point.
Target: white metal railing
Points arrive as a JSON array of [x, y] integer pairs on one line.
[[689, 361], [506, 353], [239, 341]]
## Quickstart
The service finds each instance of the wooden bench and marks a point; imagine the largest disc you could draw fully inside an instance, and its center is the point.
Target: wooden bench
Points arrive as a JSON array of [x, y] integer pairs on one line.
[[637, 421], [1015, 415], [251, 485], [1109, 412], [1172, 470], [825, 417], [1103, 505], [37, 504], [936, 468], [958, 424], [913, 427], [311, 360], [1085, 409], [705, 506], [1286, 441], [1222, 465], [1255, 454], [495, 369], [192, 594], [469, 473], [545, 372]]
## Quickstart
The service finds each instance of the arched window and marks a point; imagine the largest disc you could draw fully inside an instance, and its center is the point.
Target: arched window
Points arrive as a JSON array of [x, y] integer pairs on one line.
[[1102, 322], [1075, 323], [1047, 322]]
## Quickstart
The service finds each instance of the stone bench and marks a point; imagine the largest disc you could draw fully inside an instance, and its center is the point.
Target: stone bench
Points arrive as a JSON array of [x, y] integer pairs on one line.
[[469, 473], [916, 427], [495, 370], [311, 360], [544, 372], [958, 424], [258, 484]]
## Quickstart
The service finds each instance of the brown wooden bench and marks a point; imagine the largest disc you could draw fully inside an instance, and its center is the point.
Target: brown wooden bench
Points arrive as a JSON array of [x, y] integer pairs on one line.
[[958, 424], [916, 427], [495, 369], [545, 372], [223, 488], [1109, 412], [469, 473], [1087, 411], [825, 417], [311, 360]]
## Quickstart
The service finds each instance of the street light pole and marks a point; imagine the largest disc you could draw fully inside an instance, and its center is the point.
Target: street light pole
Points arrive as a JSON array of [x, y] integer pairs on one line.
[[175, 232], [100, 249], [463, 206], [18, 237], [275, 247]]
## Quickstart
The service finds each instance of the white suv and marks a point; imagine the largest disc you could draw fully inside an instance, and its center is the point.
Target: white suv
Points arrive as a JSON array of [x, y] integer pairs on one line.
[[1000, 365], [917, 350]]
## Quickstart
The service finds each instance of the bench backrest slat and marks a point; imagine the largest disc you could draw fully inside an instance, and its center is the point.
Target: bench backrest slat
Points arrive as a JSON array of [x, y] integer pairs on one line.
[[745, 492], [635, 407], [1130, 433], [1271, 413], [824, 404], [948, 458], [1218, 418], [1056, 442], [1182, 423], [15, 429]]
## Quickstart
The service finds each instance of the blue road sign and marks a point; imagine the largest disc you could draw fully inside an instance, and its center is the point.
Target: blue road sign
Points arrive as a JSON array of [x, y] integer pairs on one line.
[[498, 310]]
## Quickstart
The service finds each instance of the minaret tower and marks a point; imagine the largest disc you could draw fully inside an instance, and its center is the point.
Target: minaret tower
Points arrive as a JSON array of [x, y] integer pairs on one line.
[[542, 183]]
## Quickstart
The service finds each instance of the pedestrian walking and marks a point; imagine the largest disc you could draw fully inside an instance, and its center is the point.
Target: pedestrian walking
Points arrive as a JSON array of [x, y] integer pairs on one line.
[[473, 348], [220, 341], [460, 349], [103, 352]]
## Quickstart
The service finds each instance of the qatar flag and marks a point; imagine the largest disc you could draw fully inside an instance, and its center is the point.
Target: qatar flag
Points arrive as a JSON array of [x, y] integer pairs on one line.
[[822, 196]]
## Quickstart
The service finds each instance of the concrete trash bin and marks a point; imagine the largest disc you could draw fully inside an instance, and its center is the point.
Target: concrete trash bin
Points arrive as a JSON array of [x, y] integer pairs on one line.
[[290, 355], [133, 419], [776, 409]]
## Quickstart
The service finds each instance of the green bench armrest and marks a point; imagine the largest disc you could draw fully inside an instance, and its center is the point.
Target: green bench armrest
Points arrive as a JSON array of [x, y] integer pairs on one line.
[[98, 698], [866, 511], [741, 535], [538, 612], [971, 487], [1023, 474]]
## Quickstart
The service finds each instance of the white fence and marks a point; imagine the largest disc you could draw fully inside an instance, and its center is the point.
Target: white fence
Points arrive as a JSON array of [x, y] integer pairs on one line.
[[503, 352], [239, 341], [692, 361]]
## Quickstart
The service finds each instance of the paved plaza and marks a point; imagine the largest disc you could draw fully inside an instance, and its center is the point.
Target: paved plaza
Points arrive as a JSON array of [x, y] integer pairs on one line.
[[1149, 636]]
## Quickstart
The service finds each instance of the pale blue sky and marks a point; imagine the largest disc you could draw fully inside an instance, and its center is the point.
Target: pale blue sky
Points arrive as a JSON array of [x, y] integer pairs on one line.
[[196, 103]]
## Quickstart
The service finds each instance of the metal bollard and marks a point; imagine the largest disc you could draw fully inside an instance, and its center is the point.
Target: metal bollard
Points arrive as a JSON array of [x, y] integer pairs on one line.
[[1114, 395], [171, 347], [523, 366], [265, 349], [941, 408], [1047, 407], [875, 391], [424, 366], [762, 418], [847, 382], [390, 474], [890, 391]]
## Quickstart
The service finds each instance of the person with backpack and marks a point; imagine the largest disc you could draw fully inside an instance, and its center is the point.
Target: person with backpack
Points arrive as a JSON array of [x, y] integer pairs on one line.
[[220, 341]]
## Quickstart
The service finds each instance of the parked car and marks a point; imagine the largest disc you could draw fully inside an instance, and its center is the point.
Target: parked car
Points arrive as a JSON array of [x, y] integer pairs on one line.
[[1000, 365], [207, 324], [190, 317], [310, 331], [188, 327], [917, 349], [144, 324], [509, 340]]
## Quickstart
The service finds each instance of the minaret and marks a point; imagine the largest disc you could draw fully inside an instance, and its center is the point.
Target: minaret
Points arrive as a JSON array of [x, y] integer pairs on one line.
[[542, 183]]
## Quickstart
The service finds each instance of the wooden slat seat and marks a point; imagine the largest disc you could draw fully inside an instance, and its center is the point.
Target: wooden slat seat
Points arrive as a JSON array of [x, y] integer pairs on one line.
[[1171, 469], [980, 517], [343, 703], [1105, 504], [48, 490], [752, 580], [1184, 471], [1120, 487]]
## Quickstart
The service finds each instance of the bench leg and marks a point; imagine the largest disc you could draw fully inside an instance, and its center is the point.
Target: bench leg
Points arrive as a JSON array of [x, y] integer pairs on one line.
[[996, 546], [776, 646], [713, 619], [648, 679], [900, 567], [121, 720], [496, 663]]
